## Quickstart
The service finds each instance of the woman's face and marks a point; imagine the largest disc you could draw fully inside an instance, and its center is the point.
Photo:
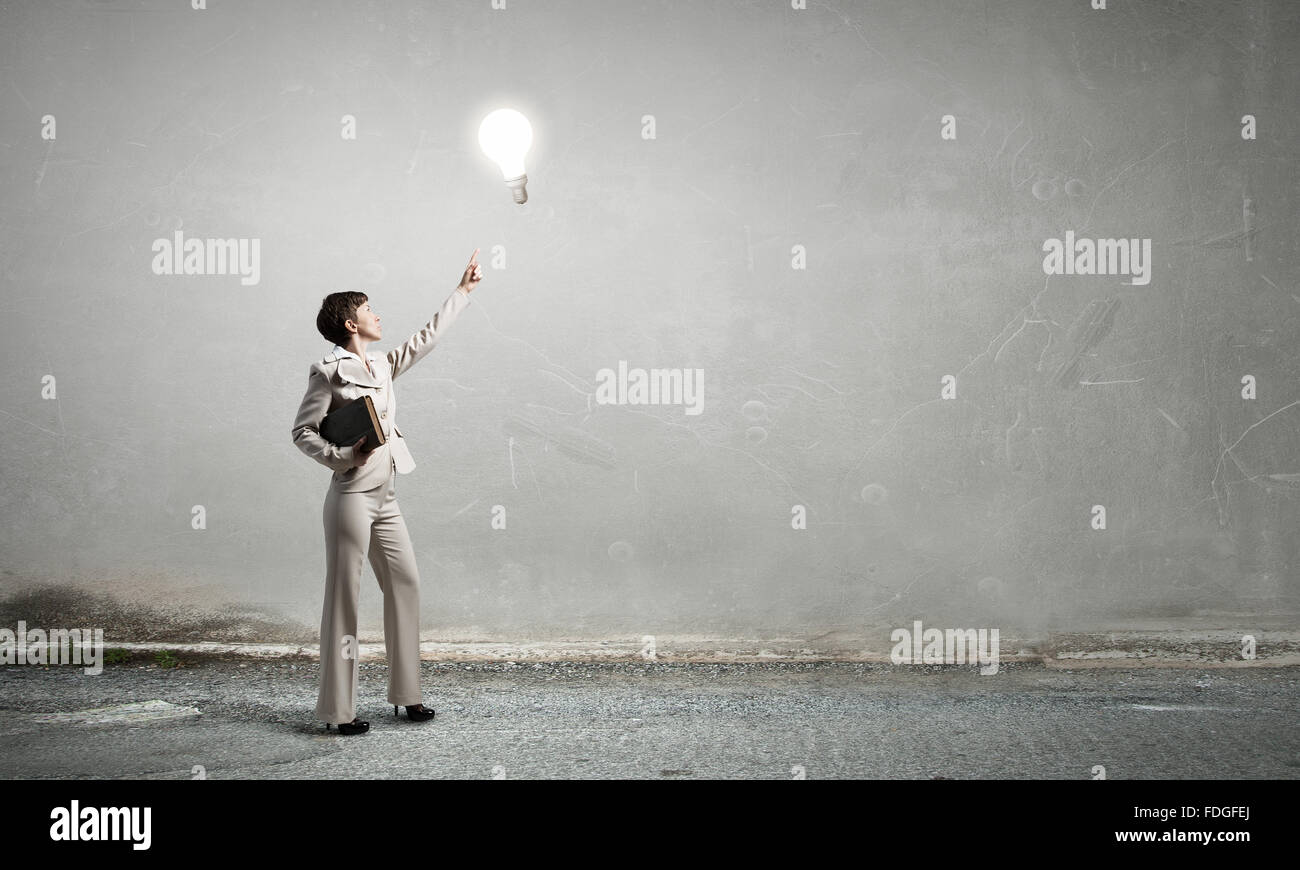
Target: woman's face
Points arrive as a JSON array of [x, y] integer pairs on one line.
[[367, 321]]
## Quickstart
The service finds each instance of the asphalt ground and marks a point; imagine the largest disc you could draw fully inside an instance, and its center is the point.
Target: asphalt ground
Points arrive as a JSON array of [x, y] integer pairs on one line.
[[232, 719]]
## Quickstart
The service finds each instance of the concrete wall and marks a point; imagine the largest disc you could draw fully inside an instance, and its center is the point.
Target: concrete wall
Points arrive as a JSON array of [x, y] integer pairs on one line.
[[798, 228]]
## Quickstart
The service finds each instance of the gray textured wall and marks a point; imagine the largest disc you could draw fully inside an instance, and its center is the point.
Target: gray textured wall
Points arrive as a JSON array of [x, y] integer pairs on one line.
[[782, 137]]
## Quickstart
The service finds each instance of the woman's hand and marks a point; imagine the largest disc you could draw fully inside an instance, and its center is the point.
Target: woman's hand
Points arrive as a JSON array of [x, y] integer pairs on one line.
[[362, 454], [473, 274]]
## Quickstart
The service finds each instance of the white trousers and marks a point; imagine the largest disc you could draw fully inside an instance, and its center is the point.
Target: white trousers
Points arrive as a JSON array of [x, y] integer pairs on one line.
[[357, 523]]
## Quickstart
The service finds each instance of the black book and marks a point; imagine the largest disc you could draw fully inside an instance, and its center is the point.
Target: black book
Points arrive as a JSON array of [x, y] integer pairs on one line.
[[345, 425]]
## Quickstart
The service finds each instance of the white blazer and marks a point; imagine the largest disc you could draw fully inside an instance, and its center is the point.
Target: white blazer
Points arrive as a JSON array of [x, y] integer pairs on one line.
[[342, 377]]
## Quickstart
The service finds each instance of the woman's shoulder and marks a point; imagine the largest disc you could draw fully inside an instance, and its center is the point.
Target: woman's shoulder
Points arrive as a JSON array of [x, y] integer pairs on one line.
[[325, 366]]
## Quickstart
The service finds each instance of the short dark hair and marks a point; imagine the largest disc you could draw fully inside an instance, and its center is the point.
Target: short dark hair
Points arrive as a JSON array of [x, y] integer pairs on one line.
[[334, 310]]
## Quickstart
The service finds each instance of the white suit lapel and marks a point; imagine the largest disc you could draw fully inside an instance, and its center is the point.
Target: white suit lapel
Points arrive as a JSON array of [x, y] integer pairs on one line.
[[352, 370]]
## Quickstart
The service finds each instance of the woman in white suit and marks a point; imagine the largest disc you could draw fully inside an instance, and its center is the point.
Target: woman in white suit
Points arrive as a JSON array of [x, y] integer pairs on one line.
[[361, 514]]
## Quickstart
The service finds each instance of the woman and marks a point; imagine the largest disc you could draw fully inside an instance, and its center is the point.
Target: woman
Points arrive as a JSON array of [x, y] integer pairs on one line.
[[361, 512]]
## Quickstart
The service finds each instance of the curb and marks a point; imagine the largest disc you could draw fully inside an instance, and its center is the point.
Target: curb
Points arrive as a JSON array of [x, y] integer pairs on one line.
[[1198, 649]]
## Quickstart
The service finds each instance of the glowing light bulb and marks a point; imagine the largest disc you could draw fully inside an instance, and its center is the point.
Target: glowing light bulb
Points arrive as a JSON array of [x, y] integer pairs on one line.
[[505, 136]]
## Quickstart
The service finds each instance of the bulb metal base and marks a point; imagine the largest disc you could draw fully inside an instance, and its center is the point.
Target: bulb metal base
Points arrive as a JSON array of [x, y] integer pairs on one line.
[[518, 188]]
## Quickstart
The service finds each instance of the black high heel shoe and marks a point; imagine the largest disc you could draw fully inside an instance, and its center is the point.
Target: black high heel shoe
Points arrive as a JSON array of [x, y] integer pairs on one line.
[[356, 726], [416, 712]]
